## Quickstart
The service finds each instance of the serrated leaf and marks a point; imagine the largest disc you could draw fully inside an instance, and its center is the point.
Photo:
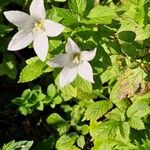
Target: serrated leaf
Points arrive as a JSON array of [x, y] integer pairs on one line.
[[81, 141], [68, 18], [116, 114], [136, 122], [102, 15], [83, 95], [124, 129], [58, 122], [82, 84], [77, 6], [21, 145], [65, 142], [104, 130], [34, 68], [139, 108], [97, 110], [69, 90], [76, 114]]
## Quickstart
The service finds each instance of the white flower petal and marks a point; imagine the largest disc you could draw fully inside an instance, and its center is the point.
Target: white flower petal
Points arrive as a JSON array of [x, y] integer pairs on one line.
[[71, 46], [40, 45], [20, 40], [37, 9], [67, 75], [19, 18], [88, 55], [60, 60], [85, 71], [53, 28]]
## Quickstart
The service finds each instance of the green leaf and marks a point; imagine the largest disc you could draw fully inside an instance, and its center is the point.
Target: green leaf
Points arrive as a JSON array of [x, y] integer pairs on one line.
[[116, 114], [139, 108], [34, 68], [77, 6], [65, 142], [130, 50], [104, 130], [69, 90], [21, 145], [81, 141], [83, 85], [97, 110], [136, 122], [102, 15], [68, 18], [127, 36], [76, 114], [124, 129], [51, 91], [58, 122]]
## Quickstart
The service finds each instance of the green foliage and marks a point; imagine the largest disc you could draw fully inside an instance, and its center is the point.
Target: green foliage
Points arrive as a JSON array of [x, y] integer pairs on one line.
[[102, 15], [21, 145], [110, 114], [30, 100], [66, 142], [97, 110], [35, 67], [58, 122]]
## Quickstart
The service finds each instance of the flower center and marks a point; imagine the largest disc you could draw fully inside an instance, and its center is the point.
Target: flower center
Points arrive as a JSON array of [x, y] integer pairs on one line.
[[76, 58], [38, 26]]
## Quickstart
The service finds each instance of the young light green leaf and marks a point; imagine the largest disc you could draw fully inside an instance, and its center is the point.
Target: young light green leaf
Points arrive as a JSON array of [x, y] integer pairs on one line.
[[51, 91], [76, 114], [34, 68], [102, 15], [65, 142], [77, 6], [21, 145], [81, 141], [97, 110], [69, 90], [83, 84], [58, 122], [136, 122], [104, 130], [139, 108], [68, 18]]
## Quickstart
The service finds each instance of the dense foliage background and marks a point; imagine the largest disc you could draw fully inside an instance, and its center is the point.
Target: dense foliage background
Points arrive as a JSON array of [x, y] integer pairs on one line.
[[112, 113]]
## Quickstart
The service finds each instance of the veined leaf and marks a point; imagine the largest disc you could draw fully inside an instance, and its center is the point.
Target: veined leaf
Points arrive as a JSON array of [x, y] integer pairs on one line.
[[136, 122], [34, 68], [77, 6], [139, 108], [97, 110], [104, 130], [102, 15], [65, 142]]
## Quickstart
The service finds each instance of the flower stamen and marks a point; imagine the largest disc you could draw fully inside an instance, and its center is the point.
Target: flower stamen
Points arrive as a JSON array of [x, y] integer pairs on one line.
[[38, 26], [76, 58]]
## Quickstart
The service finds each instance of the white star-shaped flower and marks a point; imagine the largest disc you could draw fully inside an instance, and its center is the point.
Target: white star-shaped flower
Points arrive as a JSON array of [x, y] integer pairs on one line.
[[74, 62], [33, 27]]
